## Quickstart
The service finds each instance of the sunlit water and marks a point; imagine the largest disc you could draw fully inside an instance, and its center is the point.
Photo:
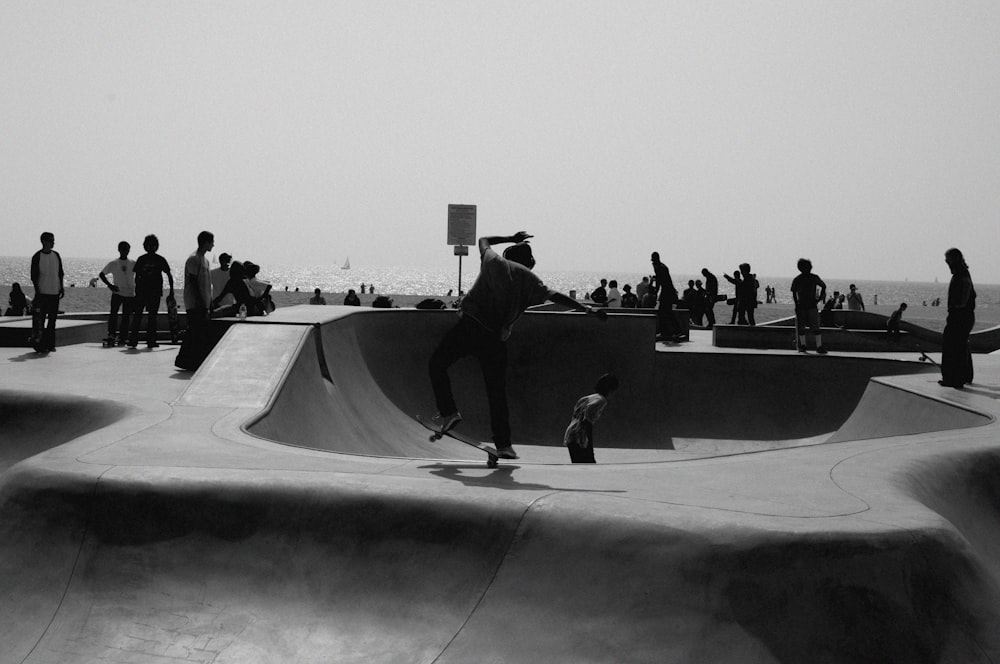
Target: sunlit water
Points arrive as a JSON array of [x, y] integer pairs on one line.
[[421, 281]]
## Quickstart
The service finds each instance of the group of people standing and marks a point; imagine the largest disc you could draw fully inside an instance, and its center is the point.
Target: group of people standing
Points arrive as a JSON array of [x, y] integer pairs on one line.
[[137, 288]]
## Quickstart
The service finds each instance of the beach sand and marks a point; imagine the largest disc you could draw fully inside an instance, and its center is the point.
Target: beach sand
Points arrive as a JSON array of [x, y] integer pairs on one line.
[[85, 299]]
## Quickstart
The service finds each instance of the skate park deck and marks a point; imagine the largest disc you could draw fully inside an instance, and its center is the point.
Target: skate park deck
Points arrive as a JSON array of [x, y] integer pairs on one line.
[[148, 514]]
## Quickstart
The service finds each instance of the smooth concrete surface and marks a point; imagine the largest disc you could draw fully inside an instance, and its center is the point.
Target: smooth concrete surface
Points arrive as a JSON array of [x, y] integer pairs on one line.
[[161, 524]]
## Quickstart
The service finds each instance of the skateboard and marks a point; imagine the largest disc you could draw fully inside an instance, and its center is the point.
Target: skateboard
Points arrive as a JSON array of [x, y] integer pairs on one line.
[[924, 357], [172, 319], [436, 435]]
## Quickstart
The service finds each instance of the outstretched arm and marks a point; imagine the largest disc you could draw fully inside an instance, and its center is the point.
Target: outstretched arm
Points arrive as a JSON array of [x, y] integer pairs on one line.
[[487, 241], [567, 301]]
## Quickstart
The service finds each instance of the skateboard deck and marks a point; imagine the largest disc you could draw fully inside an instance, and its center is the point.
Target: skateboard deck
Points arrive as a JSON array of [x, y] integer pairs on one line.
[[491, 451], [924, 357]]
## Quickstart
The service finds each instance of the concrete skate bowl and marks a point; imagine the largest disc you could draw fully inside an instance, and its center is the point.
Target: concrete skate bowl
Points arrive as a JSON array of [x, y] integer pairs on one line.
[[33, 423], [357, 385]]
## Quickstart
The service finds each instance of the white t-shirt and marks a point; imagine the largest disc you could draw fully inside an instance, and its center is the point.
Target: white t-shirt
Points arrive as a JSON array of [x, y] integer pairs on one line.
[[219, 279], [122, 273], [48, 273], [589, 409]]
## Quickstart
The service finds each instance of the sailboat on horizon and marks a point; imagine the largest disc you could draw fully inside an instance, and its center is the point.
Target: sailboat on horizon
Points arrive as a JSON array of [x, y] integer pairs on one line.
[[347, 264]]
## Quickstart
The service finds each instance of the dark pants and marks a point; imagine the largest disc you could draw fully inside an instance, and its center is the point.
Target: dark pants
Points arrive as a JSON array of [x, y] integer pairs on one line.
[[710, 310], [666, 324], [470, 338], [150, 303], [579, 454], [198, 341], [956, 358], [44, 310], [127, 305]]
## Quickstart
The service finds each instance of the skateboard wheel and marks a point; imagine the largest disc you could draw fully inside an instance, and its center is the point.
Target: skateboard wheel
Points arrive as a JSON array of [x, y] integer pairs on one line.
[[492, 462]]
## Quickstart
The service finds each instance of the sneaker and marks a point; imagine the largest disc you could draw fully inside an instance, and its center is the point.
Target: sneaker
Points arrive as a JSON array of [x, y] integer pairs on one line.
[[821, 350], [802, 349], [152, 344], [446, 423], [132, 344], [507, 453]]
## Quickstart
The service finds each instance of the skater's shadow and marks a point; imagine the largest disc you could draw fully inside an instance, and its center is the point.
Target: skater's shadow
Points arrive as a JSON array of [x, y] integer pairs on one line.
[[501, 477], [31, 355]]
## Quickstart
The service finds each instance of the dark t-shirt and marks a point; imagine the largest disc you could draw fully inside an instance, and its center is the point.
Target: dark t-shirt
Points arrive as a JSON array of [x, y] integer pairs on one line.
[[149, 269], [805, 286]]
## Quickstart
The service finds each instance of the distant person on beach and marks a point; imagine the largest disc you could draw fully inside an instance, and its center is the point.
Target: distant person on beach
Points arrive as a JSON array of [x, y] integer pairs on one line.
[[892, 325], [317, 297], [711, 295], [352, 299], [579, 435], [807, 290], [149, 271], [220, 276], [47, 277], [956, 357], [198, 305], [17, 301], [362, 288], [505, 287], [854, 300], [663, 286], [122, 285]]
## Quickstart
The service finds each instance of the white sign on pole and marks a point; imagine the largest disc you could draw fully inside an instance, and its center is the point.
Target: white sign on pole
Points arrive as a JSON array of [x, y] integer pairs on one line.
[[461, 224]]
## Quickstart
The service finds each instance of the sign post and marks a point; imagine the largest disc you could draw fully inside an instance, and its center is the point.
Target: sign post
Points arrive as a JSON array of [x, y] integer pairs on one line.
[[461, 233]]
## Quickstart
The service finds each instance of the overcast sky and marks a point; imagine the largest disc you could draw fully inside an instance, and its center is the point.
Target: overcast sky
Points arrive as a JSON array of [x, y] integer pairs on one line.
[[864, 135]]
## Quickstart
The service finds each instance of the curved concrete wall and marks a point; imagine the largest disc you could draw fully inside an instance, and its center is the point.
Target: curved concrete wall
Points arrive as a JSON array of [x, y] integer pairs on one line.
[[377, 368]]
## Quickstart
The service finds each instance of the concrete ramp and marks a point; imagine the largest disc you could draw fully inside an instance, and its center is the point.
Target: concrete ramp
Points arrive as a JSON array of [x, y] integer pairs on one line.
[[357, 383], [892, 410]]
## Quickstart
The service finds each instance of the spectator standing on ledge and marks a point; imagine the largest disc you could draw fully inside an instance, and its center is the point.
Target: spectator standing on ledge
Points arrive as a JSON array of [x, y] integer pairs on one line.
[[47, 278], [711, 295], [149, 271], [956, 357], [317, 297], [198, 305], [854, 300], [807, 291], [668, 329], [122, 271], [505, 287]]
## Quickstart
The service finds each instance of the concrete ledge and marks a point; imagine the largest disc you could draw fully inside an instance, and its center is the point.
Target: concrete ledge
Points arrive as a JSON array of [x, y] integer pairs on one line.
[[775, 337]]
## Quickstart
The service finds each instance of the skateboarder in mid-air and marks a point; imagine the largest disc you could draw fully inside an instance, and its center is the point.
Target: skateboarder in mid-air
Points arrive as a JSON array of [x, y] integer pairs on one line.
[[505, 287]]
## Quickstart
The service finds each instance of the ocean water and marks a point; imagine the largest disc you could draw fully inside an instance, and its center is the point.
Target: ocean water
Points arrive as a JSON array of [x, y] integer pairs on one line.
[[422, 281]]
